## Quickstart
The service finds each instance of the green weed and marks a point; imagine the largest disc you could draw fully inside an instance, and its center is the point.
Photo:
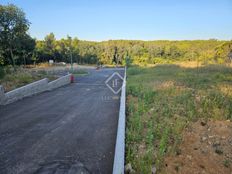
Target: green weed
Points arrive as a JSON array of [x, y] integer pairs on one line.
[[163, 100]]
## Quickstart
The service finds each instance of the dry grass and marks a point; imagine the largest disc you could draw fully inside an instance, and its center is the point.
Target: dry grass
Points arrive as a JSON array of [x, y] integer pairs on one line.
[[20, 77], [190, 64]]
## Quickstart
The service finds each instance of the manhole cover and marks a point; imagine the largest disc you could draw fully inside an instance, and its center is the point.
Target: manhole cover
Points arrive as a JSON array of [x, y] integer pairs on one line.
[[58, 167]]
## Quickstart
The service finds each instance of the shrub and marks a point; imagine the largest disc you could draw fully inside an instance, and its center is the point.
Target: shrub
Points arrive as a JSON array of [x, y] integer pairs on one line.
[[2, 72]]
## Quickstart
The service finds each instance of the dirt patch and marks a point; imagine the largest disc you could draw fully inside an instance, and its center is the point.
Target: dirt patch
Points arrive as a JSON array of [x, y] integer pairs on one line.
[[206, 148]]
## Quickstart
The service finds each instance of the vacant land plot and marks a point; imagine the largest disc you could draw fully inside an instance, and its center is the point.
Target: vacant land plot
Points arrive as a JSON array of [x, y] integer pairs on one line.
[[23, 76], [179, 119]]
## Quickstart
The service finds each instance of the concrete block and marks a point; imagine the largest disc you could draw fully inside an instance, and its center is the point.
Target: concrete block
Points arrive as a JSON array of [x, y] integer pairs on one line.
[[32, 89], [59, 82], [2, 95], [25, 91]]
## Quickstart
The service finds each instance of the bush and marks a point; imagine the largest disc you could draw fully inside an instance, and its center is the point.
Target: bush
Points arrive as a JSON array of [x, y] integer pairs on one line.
[[8, 69], [2, 72]]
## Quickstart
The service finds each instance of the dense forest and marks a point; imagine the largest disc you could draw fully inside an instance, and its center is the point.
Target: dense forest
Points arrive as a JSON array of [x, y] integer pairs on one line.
[[17, 47], [140, 52]]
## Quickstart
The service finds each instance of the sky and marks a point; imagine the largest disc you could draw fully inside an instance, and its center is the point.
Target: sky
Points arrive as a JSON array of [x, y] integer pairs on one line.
[[99, 20]]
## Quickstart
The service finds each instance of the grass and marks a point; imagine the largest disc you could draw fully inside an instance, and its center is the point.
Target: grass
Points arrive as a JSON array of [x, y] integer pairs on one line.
[[14, 79], [79, 73], [11, 79], [163, 100], [226, 163]]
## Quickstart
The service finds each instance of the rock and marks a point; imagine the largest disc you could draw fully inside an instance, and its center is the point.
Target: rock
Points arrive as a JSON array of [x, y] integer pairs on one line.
[[219, 150], [216, 143], [129, 169], [203, 139], [203, 122], [230, 141], [201, 166], [204, 151], [178, 151], [189, 157], [153, 170]]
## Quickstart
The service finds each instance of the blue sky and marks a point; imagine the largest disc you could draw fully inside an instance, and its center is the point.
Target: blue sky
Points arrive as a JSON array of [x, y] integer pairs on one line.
[[129, 19]]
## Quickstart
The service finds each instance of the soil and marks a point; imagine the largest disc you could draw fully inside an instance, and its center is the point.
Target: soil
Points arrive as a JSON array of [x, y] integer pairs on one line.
[[206, 148]]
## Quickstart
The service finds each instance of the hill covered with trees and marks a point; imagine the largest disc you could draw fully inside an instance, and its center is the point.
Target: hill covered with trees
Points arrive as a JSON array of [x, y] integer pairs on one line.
[[18, 47], [140, 52]]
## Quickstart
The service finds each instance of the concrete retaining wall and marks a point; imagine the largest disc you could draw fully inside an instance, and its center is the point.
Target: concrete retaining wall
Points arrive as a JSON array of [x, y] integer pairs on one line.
[[31, 89], [25, 91], [2, 95], [59, 82], [119, 154]]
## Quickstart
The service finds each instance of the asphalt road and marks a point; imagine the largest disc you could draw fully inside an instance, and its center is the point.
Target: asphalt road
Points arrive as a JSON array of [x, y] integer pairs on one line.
[[69, 130]]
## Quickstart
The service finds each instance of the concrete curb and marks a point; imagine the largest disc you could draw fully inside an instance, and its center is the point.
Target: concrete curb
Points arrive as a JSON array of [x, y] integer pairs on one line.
[[32, 89], [64, 80], [119, 153]]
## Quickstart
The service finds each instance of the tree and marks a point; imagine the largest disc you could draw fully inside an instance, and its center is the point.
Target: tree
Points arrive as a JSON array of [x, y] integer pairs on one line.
[[1, 58], [13, 27], [141, 52], [223, 52], [27, 46], [50, 45]]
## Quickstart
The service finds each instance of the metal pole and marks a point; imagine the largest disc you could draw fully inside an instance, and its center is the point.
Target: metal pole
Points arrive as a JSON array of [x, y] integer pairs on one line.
[[71, 62]]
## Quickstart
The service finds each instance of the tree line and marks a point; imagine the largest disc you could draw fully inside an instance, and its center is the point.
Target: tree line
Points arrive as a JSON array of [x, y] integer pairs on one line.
[[17, 47]]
